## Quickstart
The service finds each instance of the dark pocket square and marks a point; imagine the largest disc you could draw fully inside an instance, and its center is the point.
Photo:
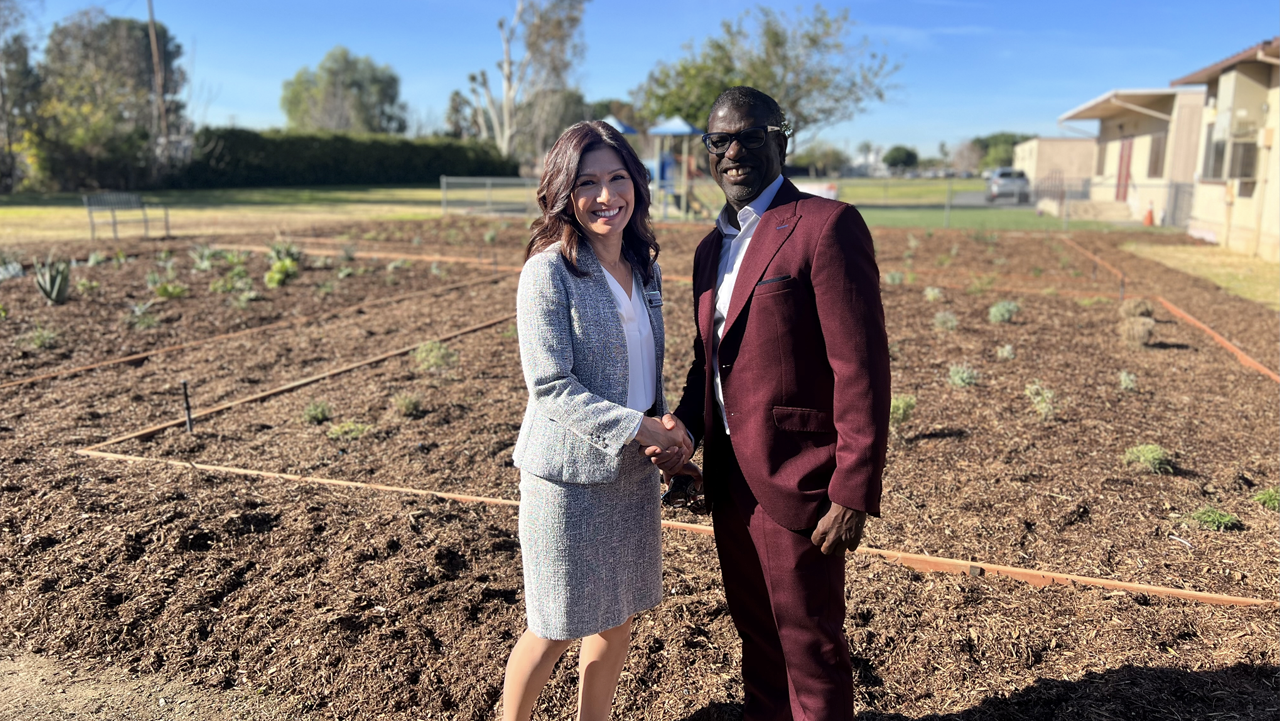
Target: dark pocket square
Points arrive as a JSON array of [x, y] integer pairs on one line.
[[779, 279]]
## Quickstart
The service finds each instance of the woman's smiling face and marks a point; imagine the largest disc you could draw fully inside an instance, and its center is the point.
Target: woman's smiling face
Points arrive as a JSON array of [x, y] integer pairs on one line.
[[603, 194]]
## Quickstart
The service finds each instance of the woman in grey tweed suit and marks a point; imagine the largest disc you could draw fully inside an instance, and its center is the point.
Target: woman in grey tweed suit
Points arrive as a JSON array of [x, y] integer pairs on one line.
[[591, 344]]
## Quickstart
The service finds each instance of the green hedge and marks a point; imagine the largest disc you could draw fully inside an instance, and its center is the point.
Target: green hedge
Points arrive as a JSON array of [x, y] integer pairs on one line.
[[235, 158]]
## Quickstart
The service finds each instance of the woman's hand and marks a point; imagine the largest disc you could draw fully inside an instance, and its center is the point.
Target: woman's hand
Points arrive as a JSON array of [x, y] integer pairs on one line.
[[667, 456], [665, 441]]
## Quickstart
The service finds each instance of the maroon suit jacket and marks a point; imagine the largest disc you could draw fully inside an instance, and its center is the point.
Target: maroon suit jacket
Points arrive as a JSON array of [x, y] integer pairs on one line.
[[804, 360]]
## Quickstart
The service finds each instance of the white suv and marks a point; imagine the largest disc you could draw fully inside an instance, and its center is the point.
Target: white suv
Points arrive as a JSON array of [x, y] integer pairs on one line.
[[1008, 183]]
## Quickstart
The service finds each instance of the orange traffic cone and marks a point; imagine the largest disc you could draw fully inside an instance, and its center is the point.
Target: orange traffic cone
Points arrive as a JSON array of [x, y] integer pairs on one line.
[[1149, 218]]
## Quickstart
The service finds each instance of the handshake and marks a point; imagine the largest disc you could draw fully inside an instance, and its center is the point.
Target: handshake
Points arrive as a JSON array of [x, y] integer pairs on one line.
[[666, 442]]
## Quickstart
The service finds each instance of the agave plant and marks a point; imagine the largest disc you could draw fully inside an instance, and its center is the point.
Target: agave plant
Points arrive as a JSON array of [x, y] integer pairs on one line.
[[53, 279]]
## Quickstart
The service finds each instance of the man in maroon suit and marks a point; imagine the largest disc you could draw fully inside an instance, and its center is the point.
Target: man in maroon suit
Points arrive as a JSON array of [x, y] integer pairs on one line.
[[789, 393]]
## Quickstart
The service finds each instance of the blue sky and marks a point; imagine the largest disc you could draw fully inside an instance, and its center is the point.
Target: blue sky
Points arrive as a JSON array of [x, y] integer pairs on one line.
[[968, 67]]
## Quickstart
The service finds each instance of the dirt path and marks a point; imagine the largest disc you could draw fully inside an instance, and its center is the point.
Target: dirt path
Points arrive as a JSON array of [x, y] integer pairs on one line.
[[40, 688]]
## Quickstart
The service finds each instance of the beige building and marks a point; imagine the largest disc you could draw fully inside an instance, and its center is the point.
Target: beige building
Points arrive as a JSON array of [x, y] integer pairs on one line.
[[1144, 155], [1047, 159], [1237, 203]]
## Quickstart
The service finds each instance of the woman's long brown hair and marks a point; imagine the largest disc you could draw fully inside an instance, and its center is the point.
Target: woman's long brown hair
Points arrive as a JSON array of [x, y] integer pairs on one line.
[[555, 198]]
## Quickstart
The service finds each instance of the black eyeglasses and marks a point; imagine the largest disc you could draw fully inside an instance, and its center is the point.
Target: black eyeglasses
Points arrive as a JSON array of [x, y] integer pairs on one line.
[[749, 139]]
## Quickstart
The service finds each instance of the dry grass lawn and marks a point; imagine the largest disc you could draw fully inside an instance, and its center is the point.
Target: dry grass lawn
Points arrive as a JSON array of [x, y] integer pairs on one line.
[[1239, 275]]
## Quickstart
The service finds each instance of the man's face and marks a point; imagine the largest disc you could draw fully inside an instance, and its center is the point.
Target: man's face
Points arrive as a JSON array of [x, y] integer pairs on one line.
[[743, 173]]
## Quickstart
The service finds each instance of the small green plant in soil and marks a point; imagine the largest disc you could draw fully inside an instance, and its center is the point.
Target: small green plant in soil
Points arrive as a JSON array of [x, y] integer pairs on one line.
[[1215, 520], [490, 236], [284, 251], [1036, 271], [234, 281], [202, 257], [408, 405], [1041, 400], [171, 290], [1003, 312], [510, 332], [943, 261], [1006, 352], [1269, 498], [894, 277], [1128, 382], [345, 272], [912, 241], [945, 320], [962, 376], [282, 271], [320, 262], [4, 312], [981, 284], [139, 318], [348, 253], [119, 259], [1090, 302], [241, 301], [84, 286], [324, 289], [397, 264], [1151, 457], [53, 279], [236, 257], [438, 270], [434, 356], [96, 258], [900, 410], [317, 412], [41, 338], [932, 294], [347, 431]]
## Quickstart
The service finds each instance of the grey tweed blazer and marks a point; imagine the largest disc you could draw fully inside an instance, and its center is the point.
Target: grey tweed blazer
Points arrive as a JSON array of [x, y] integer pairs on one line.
[[574, 354]]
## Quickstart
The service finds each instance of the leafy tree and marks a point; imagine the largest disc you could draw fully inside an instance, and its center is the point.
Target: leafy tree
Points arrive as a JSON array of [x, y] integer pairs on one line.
[[16, 87], [92, 126], [345, 94], [462, 119], [900, 156], [997, 149], [809, 64], [820, 158]]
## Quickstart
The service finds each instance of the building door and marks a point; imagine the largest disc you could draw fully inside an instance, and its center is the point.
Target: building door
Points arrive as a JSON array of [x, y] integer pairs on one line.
[[1122, 173]]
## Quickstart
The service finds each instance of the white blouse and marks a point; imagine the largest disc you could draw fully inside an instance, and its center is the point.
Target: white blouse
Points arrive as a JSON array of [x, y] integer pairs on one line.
[[642, 366]]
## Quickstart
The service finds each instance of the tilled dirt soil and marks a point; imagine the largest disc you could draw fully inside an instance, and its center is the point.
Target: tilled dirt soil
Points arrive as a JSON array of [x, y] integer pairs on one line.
[[351, 603]]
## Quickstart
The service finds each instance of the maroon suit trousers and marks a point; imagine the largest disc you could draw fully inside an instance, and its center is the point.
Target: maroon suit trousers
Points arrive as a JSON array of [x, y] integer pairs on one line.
[[786, 599]]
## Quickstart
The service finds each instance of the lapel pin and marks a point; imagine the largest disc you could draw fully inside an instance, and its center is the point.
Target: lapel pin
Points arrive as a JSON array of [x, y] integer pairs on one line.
[[780, 227]]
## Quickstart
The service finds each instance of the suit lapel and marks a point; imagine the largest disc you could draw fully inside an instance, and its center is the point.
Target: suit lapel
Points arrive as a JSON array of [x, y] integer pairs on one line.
[[656, 325], [704, 287], [774, 228]]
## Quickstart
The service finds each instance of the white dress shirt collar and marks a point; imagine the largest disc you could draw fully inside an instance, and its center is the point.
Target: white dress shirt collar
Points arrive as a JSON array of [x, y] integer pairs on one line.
[[752, 212]]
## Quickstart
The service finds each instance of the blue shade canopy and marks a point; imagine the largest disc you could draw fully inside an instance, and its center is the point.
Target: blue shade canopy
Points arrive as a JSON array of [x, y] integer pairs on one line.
[[618, 125], [673, 126]]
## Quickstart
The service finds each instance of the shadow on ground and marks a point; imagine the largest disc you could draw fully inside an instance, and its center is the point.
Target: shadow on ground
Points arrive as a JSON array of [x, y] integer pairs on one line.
[[1243, 691]]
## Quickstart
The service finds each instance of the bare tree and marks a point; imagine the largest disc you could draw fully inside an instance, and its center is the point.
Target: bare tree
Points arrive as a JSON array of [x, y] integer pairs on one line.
[[552, 43], [966, 157]]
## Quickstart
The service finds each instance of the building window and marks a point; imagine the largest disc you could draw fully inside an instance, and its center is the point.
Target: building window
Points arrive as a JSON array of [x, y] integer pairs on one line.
[[1244, 159], [1214, 153], [1155, 165], [1102, 158]]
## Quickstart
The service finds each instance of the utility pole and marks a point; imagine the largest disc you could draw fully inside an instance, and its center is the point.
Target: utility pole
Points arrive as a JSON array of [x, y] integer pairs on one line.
[[158, 67]]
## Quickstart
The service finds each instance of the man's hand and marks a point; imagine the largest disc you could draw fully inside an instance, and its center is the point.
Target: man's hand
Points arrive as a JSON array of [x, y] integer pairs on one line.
[[839, 530], [671, 459]]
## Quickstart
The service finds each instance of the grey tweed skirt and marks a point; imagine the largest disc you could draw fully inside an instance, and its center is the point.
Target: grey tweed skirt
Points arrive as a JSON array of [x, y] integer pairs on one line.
[[592, 552]]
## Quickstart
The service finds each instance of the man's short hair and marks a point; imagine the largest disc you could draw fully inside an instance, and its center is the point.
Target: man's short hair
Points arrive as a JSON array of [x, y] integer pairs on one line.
[[743, 97]]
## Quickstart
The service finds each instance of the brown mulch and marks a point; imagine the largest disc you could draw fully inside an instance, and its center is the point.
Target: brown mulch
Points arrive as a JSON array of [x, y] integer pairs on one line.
[[361, 604]]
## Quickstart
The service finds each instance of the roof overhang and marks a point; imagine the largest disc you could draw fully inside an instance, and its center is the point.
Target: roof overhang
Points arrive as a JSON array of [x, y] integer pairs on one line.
[[1267, 51], [1152, 102]]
